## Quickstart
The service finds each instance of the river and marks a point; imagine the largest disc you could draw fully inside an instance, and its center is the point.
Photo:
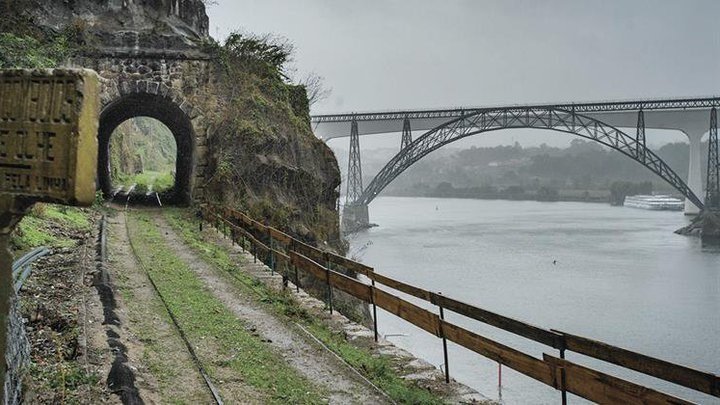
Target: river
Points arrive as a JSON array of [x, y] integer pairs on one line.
[[614, 274]]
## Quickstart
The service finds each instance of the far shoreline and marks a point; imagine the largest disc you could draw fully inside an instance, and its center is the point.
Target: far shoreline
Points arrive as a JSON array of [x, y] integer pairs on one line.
[[570, 199]]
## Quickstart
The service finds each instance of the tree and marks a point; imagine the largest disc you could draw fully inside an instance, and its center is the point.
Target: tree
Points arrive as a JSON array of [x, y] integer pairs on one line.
[[546, 193], [272, 51], [315, 88], [620, 189], [514, 192], [444, 189]]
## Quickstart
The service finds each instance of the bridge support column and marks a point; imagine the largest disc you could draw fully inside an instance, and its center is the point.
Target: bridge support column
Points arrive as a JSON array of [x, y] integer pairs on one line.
[[710, 233], [355, 217], [712, 193], [695, 169], [354, 176], [640, 137], [406, 134]]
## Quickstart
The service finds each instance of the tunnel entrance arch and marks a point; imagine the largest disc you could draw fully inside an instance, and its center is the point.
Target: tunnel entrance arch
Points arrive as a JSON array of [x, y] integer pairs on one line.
[[167, 112]]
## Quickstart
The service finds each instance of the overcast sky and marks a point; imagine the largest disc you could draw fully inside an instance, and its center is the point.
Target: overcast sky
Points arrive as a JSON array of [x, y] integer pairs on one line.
[[400, 54]]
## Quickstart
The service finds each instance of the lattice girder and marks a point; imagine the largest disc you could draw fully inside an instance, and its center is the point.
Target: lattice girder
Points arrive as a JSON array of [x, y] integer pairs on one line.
[[555, 119]]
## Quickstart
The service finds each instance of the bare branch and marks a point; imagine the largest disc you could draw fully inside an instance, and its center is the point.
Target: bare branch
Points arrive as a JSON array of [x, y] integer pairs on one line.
[[315, 87]]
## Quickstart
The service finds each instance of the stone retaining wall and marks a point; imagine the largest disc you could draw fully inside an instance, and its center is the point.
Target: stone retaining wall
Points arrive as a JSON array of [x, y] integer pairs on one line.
[[17, 355]]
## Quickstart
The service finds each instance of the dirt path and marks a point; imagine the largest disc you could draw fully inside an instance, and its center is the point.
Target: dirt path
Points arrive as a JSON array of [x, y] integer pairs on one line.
[[164, 371], [307, 357]]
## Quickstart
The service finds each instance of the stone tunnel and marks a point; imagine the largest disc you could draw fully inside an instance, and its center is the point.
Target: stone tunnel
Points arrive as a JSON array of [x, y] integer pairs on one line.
[[151, 86], [150, 60]]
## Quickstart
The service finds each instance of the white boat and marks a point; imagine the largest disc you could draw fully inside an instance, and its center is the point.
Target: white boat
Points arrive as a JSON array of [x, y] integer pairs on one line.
[[654, 202]]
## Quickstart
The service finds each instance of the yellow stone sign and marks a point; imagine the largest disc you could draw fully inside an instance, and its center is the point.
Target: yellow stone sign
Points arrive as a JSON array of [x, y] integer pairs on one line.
[[48, 135]]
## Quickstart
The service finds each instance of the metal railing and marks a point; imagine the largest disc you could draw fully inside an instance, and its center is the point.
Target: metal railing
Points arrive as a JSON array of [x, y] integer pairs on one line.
[[581, 107], [288, 256], [22, 267]]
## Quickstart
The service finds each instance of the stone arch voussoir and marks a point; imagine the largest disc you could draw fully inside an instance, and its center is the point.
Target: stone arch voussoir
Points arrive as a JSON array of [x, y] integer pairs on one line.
[[168, 105]]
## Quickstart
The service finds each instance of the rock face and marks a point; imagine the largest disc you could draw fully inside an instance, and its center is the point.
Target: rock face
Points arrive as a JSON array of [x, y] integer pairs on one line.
[[706, 226], [710, 234], [243, 134], [145, 25]]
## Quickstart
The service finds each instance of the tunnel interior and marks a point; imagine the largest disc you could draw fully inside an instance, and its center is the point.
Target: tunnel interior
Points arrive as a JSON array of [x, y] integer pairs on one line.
[[169, 114]]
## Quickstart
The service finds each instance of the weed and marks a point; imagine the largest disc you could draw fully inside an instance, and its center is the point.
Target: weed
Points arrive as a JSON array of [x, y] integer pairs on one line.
[[379, 370], [205, 318], [64, 378]]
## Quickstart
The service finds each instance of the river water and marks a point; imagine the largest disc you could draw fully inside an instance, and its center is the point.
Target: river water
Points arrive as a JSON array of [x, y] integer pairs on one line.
[[615, 274]]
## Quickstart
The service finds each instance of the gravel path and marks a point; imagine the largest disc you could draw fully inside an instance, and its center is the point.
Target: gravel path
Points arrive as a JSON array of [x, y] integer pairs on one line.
[[311, 360]]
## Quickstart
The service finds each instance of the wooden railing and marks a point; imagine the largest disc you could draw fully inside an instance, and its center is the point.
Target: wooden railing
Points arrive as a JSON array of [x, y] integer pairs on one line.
[[289, 257]]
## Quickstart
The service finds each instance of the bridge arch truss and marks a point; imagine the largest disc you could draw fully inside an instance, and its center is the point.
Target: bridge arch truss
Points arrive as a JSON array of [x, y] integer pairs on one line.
[[550, 118]]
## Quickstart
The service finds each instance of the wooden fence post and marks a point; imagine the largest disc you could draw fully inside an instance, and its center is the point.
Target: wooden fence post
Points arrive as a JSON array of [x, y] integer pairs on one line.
[[293, 249], [375, 321], [272, 252], [551, 371], [563, 392], [445, 349], [329, 286], [285, 274], [500, 380]]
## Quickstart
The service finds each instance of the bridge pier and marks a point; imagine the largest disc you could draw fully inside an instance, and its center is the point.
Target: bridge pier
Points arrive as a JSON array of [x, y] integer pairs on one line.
[[707, 223], [406, 134], [695, 168], [355, 217], [711, 223]]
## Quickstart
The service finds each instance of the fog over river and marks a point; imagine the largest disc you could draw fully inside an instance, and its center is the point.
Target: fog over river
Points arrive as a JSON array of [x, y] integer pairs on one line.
[[614, 274]]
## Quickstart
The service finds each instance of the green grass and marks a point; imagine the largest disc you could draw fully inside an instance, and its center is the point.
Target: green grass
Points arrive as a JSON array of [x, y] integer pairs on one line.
[[71, 217], [188, 228], [164, 182], [32, 232], [379, 370], [158, 181], [49, 225], [63, 379], [205, 318], [158, 349]]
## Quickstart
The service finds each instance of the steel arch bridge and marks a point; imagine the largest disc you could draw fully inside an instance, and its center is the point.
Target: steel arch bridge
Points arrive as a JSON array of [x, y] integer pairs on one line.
[[535, 117]]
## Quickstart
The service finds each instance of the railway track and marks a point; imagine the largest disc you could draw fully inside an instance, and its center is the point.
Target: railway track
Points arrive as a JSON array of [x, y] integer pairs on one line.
[[212, 389], [124, 202]]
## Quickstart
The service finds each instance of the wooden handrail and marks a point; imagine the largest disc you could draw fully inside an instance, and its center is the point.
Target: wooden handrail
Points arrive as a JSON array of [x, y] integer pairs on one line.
[[580, 380], [664, 370]]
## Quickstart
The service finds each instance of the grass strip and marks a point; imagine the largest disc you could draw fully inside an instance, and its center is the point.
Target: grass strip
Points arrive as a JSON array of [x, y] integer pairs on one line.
[[50, 225], [378, 369], [204, 318], [167, 367]]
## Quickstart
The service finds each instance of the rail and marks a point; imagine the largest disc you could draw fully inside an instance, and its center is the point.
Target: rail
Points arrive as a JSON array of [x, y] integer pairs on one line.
[[281, 251], [22, 267]]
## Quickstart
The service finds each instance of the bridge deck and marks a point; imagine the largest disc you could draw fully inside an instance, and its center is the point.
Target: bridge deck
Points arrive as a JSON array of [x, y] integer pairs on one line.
[[678, 114]]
